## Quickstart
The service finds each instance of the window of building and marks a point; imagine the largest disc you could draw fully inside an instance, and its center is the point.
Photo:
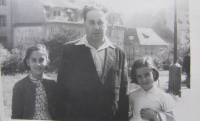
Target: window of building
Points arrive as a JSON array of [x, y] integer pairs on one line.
[[145, 36], [56, 13], [52, 30], [115, 19], [146, 51], [2, 20], [2, 2], [3, 40], [151, 51]]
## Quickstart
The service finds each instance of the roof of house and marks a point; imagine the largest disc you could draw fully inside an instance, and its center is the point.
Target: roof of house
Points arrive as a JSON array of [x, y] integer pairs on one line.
[[165, 34], [63, 3], [130, 32], [148, 37], [31, 11]]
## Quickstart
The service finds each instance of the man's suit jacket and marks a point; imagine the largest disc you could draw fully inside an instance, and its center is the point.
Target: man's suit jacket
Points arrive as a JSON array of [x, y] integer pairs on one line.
[[23, 101], [82, 95], [186, 64]]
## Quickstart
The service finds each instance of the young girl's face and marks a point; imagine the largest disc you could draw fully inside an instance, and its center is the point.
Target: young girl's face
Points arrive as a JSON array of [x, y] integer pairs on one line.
[[145, 78], [37, 63]]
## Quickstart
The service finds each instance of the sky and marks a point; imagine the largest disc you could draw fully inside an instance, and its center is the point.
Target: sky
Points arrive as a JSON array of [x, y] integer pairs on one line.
[[128, 7], [125, 5]]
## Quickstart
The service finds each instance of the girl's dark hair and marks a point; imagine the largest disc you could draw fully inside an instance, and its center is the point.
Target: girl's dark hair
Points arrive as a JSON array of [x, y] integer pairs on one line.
[[92, 7], [29, 51], [143, 62]]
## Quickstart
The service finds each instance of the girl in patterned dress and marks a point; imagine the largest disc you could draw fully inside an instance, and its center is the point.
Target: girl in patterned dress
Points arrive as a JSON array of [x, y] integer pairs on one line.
[[33, 96], [149, 103]]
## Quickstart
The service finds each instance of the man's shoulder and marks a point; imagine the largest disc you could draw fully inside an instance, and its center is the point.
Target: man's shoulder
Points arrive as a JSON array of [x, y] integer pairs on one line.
[[70, 46], [72, 43]]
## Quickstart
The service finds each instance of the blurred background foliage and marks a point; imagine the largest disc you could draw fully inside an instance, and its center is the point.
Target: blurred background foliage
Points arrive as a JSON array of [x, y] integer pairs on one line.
[[12, 62]]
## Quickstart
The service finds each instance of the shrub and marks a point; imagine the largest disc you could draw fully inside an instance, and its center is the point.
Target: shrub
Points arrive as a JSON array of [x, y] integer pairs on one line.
[[55, 43], [14, 63], [157, 62], [5, 54], [166, 55]]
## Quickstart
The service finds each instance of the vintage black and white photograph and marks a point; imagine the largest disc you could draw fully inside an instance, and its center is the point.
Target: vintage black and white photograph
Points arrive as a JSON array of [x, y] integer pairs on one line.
[[96, 60]]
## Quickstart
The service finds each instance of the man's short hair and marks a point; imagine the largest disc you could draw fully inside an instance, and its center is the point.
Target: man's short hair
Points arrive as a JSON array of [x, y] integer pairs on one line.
[[92, 7]]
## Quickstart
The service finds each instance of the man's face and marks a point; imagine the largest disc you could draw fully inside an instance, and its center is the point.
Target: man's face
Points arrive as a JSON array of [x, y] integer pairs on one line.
[[95, 25]]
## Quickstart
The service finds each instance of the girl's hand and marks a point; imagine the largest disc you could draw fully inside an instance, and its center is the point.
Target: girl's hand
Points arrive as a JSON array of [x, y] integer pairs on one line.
[[147, 113]]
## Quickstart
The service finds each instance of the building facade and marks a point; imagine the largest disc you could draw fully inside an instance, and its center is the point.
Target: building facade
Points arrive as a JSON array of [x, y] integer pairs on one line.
[[141, 42], [5, 23], [34, 20]]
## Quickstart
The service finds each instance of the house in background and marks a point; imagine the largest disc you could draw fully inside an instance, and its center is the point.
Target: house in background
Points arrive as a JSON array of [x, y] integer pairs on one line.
[[115, 19], [63, 10], [29, 23], [116, 28], [5, 23], [161, 23], [142, 42], [183, 25], [33, 20]]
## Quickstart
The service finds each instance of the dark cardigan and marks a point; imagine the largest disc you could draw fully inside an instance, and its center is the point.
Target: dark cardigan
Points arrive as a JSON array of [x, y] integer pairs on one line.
[[23, 101]]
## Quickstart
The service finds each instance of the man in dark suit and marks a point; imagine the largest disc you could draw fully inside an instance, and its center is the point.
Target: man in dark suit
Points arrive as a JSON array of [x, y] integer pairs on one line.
[[186, 68], [92, 78]]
